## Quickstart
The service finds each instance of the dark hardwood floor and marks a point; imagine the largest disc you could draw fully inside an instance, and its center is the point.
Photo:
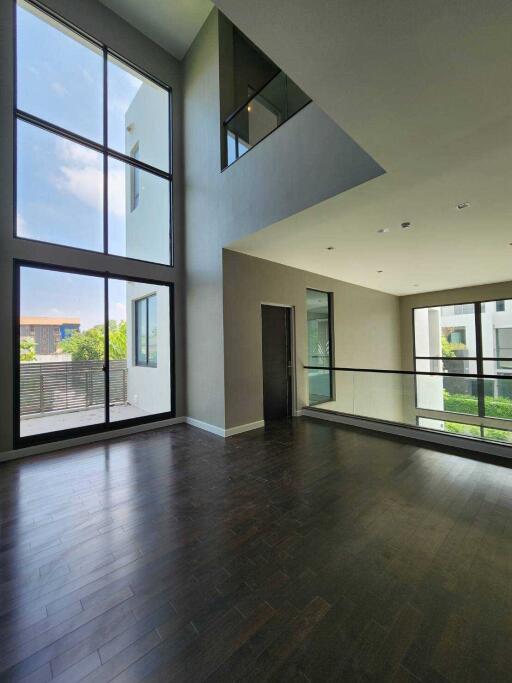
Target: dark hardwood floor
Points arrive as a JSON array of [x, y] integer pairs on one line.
[[307, 552]]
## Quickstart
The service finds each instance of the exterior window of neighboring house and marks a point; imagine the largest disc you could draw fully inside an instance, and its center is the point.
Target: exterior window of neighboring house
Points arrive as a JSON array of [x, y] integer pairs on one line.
[[457, 335], [134, 179], [461, 309], [500, 306], [504, 347], [146, 332]]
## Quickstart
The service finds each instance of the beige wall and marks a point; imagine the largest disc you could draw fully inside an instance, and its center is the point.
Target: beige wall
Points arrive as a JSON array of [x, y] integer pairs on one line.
[[302, 163], [366, 331], [496, 291]]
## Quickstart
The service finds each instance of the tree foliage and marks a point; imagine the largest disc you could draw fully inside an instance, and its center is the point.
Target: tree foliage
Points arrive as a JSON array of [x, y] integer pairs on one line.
[[27, 350], [90, 344], [448, 348]]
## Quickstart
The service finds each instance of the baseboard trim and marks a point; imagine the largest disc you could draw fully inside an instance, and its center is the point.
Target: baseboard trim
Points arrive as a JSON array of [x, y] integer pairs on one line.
[[85, 440], [244, 428], [94, 438], [424, 436], [220, 431], [206, 426]]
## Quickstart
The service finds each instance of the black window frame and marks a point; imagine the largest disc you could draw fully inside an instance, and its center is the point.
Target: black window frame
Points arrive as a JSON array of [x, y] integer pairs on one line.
[[102, 148], [330, 313], [479, 358], [137, 361], [107, 425], [134, 179]]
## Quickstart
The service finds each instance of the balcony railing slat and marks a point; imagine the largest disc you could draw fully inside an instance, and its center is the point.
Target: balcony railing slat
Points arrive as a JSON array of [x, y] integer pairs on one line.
[[72, 385]]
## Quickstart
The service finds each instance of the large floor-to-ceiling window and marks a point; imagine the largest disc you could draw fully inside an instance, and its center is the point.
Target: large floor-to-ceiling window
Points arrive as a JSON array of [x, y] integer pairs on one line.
[[320, 347], [93, 172], [470, 346]]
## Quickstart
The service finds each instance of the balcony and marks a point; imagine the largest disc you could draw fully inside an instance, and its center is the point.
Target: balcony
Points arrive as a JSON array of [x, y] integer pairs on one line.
[[62, 395], [261, 114]]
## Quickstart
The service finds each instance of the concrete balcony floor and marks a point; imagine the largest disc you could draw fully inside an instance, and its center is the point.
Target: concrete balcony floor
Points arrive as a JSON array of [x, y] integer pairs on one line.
[[53, 422]]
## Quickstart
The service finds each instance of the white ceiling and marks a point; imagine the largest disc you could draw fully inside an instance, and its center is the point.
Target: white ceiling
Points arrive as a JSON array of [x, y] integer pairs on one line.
[[172, 24], [425, 88]]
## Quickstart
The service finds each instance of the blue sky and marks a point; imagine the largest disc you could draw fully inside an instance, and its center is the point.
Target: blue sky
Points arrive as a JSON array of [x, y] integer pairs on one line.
[[60, 79], [60, 183], [54, 293]]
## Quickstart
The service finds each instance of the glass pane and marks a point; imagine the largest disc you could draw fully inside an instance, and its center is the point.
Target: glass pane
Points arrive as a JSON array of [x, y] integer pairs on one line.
[[268, 109], [62, 383], [141, 332], [319, 345], [498, 392], [457, 428], [59, 74], [138, 115], [454, 394], [503, 435], [497, 332], [231, 142], [59, 190], [152, 332], [138, 213], [139, 390], [447, 331]]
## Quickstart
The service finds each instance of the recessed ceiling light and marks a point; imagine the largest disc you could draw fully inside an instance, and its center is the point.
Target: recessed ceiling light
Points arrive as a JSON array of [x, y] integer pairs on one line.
[[382, 231], [406, 225], [463, 205], [330, 248]]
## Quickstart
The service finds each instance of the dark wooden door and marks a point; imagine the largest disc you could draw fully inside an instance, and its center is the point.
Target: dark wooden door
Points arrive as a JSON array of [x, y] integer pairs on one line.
[[277, 357]]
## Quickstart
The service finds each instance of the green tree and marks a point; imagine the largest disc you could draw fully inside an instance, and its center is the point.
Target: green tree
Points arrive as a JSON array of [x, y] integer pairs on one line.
[[90, 344], [27, 350]]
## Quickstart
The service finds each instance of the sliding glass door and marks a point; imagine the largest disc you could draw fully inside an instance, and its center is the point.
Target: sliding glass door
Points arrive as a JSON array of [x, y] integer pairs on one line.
[[61, 351], [93, 350]]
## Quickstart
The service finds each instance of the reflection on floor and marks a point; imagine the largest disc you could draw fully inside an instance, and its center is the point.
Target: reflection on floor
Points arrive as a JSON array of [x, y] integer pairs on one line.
[[53, 422], [304, 552]]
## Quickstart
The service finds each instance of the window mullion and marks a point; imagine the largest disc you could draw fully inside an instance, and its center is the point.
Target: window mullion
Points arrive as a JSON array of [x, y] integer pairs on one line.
[[105, 156], [479, 361], [147, 331]]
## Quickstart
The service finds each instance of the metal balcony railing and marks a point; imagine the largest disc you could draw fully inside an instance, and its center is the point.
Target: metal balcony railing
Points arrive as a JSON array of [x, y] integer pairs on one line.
[[73, 385]]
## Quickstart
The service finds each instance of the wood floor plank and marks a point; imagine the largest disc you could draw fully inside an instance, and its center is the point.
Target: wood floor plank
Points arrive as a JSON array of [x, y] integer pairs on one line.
[[307, 551]]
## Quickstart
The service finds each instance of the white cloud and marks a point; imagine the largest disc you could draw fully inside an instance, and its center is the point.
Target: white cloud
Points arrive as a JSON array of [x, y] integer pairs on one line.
[[117, 190], [21, 223], [120, 311], [59, 88], [81, 175]]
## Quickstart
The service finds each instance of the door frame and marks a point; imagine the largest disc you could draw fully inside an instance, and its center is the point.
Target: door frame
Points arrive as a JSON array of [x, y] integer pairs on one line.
[[106, 425], [293, 358]]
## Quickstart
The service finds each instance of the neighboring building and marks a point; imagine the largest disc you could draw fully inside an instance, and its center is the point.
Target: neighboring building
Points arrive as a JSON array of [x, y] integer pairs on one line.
[[147, 306], [47, 332]]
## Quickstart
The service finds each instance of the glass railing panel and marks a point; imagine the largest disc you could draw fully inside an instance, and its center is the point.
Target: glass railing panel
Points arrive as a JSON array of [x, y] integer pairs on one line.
[[452, 393], [270, 107], [463, 404]]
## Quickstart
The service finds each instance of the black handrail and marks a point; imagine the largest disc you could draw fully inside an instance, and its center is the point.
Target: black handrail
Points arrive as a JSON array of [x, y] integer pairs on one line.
[[249, 99], [408, 372]]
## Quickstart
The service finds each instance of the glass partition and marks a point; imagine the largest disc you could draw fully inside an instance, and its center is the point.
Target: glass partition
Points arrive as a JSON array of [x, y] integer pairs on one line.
[[421, 400], [265, 111]]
